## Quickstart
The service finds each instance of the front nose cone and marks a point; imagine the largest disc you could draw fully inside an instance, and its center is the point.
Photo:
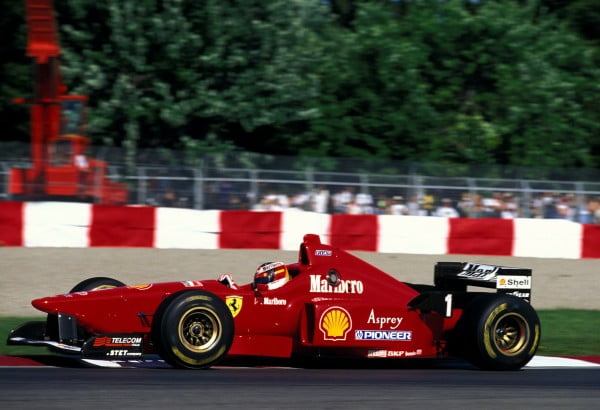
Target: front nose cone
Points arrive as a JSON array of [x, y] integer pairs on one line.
[[41, 304]]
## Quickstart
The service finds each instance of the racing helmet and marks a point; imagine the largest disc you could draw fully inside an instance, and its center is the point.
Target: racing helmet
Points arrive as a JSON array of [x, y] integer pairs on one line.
[[272, 274]]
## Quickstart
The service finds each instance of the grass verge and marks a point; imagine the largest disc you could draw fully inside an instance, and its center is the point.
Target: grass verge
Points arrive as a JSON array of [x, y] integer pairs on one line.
[[565, 332]]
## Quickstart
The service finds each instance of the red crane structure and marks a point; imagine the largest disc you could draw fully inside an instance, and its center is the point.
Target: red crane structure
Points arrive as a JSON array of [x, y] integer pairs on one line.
[[60, 168]]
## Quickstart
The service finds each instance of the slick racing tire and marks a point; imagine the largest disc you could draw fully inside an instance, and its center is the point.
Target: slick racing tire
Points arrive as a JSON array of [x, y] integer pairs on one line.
[[499, 332], [193, 329], [96, 284]]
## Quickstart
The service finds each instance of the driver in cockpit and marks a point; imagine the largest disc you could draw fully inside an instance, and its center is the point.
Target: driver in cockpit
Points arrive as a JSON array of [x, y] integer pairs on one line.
[[272, 274]]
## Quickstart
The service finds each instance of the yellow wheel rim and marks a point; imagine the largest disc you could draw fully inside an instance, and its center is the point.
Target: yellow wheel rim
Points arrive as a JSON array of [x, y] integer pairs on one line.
[[510, 334], [199, 329]]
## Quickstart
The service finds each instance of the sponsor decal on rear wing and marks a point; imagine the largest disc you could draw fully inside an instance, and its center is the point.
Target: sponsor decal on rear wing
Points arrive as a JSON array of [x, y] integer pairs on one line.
[[458, 275]]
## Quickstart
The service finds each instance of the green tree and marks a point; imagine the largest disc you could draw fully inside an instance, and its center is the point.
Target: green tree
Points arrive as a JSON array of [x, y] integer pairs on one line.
[[15, 72], [548, 95], [373, 98], [533, 83], [191, 74], [472, 82]]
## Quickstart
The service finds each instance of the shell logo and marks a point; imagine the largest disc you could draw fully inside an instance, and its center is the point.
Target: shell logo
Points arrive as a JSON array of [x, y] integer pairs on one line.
[[502, 282], [335, 323]]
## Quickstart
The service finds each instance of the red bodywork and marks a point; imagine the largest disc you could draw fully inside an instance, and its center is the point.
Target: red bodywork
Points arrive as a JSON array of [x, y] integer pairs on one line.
[[366, 315], [59, 167]]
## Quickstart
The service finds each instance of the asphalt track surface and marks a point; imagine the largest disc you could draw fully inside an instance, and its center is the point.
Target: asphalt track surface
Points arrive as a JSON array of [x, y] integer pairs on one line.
[[291, 388]]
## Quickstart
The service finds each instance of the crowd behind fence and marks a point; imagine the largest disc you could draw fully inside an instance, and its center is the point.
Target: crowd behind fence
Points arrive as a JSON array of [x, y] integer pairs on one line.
[[260, 182]]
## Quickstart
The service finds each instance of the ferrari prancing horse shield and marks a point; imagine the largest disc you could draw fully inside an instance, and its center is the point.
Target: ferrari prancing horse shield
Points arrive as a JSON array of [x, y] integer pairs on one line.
[[234, 303]]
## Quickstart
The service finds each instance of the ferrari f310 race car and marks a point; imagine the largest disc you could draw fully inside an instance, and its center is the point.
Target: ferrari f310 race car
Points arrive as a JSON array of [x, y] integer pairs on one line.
[[333, 305]]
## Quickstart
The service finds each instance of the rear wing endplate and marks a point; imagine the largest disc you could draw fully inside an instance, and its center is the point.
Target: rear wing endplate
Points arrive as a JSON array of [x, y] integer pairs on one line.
[[456, 276]]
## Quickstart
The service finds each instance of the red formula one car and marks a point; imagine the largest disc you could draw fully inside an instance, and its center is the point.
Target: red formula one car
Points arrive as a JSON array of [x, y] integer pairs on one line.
[[328, 304]]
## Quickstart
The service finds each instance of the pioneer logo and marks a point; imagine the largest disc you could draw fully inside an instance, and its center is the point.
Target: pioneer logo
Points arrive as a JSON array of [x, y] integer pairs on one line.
[[396, 335]]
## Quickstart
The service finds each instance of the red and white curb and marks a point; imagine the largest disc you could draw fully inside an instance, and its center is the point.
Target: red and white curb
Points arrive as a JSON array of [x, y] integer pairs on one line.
[[550, 361]]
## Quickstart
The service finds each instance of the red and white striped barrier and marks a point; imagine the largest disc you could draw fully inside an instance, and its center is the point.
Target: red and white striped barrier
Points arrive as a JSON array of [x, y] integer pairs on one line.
[[58, 224]]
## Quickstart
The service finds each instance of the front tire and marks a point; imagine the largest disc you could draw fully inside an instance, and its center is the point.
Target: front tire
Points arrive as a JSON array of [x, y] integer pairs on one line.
[[193, 330], [499, 332]]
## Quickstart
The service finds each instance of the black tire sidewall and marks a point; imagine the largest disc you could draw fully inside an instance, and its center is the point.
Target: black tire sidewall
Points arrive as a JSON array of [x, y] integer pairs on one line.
[[484, 314], [166, 332]]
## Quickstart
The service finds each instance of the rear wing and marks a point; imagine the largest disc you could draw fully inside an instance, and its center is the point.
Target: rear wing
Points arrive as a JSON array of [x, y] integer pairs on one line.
[[456, 276]]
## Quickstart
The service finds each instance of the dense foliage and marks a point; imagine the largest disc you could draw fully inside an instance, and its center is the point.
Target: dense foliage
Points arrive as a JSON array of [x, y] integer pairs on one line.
[[471, 81]]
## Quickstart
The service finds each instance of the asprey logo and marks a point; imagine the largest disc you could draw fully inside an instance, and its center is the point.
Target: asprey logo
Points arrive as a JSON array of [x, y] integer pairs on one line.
[[335, 323], [392, 322], [319, 284], [234, 303], [514, 282]]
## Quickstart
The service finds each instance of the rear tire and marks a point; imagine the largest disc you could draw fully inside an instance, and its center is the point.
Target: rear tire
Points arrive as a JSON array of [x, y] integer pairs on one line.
[[193, 330], [498, 332]]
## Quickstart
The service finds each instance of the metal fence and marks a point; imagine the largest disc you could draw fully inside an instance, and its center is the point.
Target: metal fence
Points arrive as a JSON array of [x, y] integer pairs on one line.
[[333, 185]]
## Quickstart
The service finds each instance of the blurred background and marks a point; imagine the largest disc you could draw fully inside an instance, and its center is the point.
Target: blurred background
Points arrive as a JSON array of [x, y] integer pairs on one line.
[[473, 108]]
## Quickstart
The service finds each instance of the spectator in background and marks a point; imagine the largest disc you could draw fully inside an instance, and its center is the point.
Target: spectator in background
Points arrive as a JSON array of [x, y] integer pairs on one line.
[[365, 201], [341, 199], [565, 207], [301, 201], [583, 212], [273, 202], [510, 209], [353, 208], [549, 210], [594, 210], [537, 206], [446, 209], [428, 204], [169, 197], [414, 206], [477, 210], [381, 204], [397, 206], [465, 205], [492, 207], [235, 202], [319, 200]]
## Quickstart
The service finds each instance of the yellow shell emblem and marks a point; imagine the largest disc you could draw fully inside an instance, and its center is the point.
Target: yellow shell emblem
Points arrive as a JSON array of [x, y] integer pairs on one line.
[[335, 323]]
